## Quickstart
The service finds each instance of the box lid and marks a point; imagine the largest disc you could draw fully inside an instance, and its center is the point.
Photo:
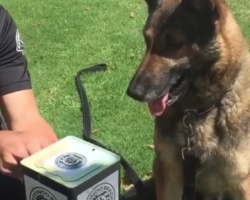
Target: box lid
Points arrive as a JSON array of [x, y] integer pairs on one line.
[[70, 161]]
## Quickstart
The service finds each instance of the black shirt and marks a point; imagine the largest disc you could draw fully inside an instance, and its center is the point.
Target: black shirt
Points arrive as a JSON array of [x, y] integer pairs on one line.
[[14, 75]]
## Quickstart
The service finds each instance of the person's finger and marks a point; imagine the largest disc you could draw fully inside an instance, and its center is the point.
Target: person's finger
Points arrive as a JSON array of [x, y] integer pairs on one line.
[[4, 168], [33, 147], [9, 166], [20, 152], [7, 160], [46, 143], [54, 138]]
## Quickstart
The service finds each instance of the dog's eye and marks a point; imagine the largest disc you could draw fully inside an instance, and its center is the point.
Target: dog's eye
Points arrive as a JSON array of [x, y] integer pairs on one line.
[[172, 43]]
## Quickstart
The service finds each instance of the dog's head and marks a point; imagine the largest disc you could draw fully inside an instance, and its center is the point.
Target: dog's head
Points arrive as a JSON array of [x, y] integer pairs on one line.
[[179, 34]]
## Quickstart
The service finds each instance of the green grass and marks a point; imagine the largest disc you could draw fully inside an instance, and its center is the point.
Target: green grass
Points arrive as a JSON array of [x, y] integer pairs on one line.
[[61, 37]]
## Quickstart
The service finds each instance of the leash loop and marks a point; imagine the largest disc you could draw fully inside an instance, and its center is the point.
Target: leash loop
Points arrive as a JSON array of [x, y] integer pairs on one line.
[[86, 120]]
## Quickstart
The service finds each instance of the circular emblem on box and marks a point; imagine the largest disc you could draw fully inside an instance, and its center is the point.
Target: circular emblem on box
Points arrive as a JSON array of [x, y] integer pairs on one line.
[[39, 193], [70, 160], [104, 191]]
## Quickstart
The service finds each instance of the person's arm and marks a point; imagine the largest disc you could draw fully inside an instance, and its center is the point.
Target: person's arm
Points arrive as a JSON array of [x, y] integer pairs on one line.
[[19, 110], [16, 97]]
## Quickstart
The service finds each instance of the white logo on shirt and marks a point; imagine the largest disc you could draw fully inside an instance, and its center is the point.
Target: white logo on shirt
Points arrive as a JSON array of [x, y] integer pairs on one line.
[[19, 42]]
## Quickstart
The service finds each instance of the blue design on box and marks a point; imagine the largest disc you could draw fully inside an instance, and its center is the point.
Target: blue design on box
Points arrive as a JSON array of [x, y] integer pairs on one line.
[[70, 161]]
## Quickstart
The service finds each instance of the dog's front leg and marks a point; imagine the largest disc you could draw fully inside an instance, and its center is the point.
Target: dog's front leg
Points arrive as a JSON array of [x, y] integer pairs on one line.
[[168, 180]]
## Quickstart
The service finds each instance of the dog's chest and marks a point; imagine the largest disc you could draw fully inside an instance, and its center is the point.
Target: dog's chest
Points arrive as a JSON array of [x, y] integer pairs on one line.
[[220, 166], [220, 172], [214, 175]]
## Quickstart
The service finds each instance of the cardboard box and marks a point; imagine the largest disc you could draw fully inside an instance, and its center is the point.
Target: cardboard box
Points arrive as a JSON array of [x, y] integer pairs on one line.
[[72, 169]]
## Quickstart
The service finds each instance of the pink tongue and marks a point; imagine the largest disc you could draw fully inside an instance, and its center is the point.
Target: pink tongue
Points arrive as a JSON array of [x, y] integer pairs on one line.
[[157, 106]]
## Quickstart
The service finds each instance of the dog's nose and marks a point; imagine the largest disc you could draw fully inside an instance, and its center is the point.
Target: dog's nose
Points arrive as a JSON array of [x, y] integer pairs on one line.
[[136, 92]]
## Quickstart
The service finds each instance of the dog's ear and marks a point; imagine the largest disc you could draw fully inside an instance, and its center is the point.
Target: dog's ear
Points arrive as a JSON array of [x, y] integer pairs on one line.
[[203, 5], [151, 3], [205, 8], [208, 5]]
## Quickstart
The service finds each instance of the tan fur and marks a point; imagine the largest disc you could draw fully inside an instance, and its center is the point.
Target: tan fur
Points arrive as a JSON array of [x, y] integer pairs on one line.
[[221, 136]]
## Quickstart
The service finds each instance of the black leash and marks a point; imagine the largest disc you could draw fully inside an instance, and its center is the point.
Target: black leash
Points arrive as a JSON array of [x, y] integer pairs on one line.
[[130, 172], [189, 172]]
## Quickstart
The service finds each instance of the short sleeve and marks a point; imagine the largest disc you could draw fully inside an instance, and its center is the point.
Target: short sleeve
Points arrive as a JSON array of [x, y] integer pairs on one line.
[[14, 75]]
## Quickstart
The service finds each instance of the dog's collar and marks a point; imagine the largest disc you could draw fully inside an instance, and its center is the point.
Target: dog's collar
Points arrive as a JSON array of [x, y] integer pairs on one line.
[[193, 113]]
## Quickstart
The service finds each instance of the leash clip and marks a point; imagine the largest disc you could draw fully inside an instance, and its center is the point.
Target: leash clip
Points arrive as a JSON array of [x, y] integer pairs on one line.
[[189, 118], [189, 122], [188, 151]]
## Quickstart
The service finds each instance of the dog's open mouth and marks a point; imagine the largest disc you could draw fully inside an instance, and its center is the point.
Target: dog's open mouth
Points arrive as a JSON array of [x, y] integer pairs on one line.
[[158, 105]]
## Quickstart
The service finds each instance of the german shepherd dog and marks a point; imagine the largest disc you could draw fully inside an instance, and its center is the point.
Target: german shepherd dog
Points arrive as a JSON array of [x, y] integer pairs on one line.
[[196, 61]]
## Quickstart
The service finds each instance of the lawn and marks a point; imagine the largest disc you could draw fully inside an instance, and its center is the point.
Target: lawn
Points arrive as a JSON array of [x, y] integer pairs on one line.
[[62, 37]]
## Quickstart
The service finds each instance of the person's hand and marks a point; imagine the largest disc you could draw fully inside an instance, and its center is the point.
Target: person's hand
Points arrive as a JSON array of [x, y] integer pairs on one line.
[[15, 146]]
